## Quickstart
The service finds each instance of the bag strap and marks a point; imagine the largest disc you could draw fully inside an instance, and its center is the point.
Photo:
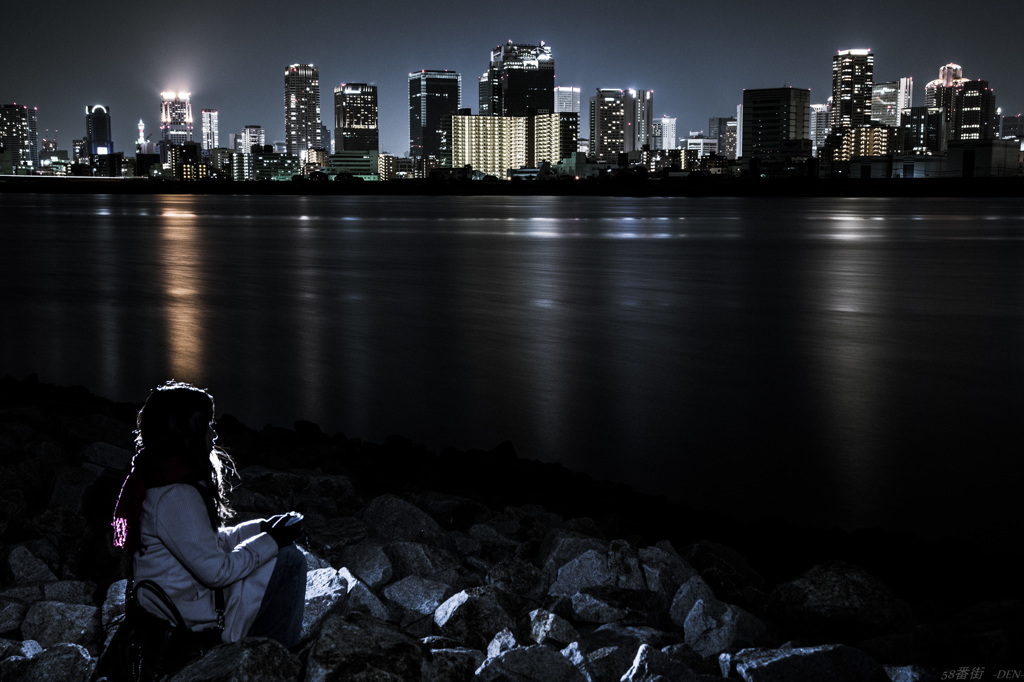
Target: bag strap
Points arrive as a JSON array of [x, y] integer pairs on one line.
[[162, 597]]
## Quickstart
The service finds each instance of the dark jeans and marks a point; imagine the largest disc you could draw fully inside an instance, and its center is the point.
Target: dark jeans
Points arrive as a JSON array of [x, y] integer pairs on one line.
[[280, 614]]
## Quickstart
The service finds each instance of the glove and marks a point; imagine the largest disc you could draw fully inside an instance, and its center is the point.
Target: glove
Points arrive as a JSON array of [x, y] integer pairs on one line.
[[284, 528]]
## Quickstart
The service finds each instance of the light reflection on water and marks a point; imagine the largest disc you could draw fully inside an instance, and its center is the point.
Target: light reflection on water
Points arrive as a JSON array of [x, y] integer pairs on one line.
[[832, 360]]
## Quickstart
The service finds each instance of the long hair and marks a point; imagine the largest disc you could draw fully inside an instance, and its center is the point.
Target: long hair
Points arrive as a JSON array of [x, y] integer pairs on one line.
[[177, 421]]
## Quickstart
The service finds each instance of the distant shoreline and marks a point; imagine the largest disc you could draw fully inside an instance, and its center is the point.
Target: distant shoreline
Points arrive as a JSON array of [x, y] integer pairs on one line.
[[693, 186]]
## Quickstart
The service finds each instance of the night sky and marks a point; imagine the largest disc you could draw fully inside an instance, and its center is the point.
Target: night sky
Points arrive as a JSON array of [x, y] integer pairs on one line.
[[696, 56]]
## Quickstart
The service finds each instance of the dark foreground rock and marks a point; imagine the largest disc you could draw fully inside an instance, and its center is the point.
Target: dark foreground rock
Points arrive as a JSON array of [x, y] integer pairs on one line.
[[477, 565]]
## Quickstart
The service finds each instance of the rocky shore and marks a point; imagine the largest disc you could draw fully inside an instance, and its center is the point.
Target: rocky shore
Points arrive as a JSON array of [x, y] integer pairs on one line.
[[481, 565]]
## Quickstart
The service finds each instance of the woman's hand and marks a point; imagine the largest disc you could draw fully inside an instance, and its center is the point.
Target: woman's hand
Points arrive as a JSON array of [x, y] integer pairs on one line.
[[284, 528]]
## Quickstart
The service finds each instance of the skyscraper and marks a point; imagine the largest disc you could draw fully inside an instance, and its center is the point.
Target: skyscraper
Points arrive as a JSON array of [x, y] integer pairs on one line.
[[638, 112], [889, 99], [663, 133], [434, 97], [819, 126], [97, 130], [520, 81], [719, 129], [567, 99], [355, 118], [302, 109], [607, 121], [211, 130], [852, 78], [970, 106], [19, 133], [776, 125], [175, 120]]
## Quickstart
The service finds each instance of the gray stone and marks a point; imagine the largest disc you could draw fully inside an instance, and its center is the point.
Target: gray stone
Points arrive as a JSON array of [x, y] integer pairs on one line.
[[64, 662], [71, 485], [839, 599], [589, 569], [70, 592], [688, 594], [909, 673], [368, 560], [252, 658], [561, 546], [361, 597], [51, 622], [493, 544], [12, 613], [413, 601], [652, 665], [425, 561], [113, 605], [452, 665], [313, 562], [324, 589], [26, 568], [548, 628], [829, 663], [624, 562], [535, 663], [630, 636], [519, 577], [12, 647], [359, 647], [502, 642], [392, 519], [107, 456], [664, 571], [607, 663], [724, 569], [714, 627], [616, 605], [472, 616]]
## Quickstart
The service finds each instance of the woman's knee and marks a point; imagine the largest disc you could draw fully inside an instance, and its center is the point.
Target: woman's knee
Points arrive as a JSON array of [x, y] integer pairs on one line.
[[291, 559]]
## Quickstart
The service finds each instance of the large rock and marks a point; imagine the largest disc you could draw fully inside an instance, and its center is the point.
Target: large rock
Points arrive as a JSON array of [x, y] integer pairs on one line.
[[50, 622], [688, 594], [412, 602], [837, 599], [725, 570], [589, 569], [714, 627], [113, 605], [561, 546], [535, 663], [829, 663], [615, 605], [360, 647], [391, 519], [452, 665], [70, 592], [26, 568], [324, 589], [605, 664], [12, 613], [425, 561], [548, 628], [473, 616], [252, 658], [519, 577], [64, 662], [107, 456], [664, 571], [360, 597], [368, 561], [653, 665]]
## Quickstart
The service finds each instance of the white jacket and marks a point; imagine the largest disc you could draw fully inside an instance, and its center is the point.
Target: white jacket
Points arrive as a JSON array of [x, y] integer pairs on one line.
[[187, 558]]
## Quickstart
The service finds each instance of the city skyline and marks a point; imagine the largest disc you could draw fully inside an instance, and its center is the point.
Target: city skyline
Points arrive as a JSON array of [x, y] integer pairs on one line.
[[695, 75]]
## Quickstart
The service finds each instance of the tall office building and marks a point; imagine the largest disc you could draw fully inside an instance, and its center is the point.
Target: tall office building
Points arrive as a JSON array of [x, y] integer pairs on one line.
[[889, 99], [355, 118], [923, 130], [607, 121], [97, 130], [819, 126], [434, 97], [175, 121], [939, 92], [520, 81], [776, 125], [638, 119], [252, 136], [302, 109], [19, 133], [663, 133], [852, 79], [969, 105], [555, 137], [719, 129], [211, 130], [567, 99]]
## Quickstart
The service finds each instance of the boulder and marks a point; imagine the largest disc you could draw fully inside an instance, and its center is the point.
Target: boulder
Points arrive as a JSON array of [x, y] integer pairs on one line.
[[113, 605], [391, 519], [360, 597], [425, 561], [561, 546], [65, 662], [615, 605], [724, 570], [72, 484], [70, 592], [535, 663], [12, 613], [51, 622], [600, 665], [26, 568], [839, 600], [548, 628], [714, 627], [829, 663], [519, 577], [502, 642], [252, 658], [360, 647], [688, 594], [473, 616], [12, 647], [909, 673], [412, 602], [589, 569], [452, 665], [107, 456], [653, 665], [324, 589], [368, 560], [664, 570]]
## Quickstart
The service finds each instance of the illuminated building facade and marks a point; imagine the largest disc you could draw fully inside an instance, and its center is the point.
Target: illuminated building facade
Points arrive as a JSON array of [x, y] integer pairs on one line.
[[889, 99], [663, 133], [19, 136], [355, 118], [253, 136], [607, 124], [555, 137], [975, 114], [567, 99], [97, 130], [489, 144], [211, 130], [434, 97], [175, 121], [638, 114], [819, 126], [723, 129], [852, 80], [776, 124], [302, 109], [520, 81], [923, 130]]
